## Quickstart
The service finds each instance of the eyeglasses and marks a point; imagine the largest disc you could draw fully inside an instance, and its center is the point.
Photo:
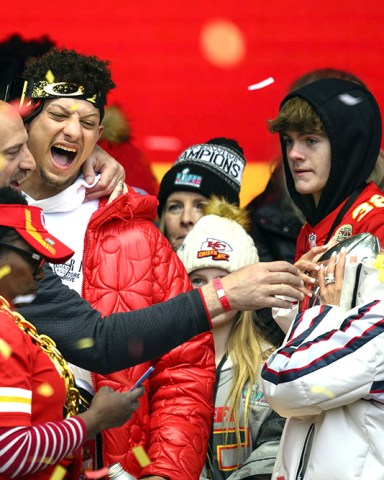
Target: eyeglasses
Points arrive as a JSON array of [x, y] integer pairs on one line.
[[36, 260]]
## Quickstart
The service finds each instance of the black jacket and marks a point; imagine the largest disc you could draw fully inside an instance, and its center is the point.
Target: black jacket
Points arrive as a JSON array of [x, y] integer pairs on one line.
[[63, 315]]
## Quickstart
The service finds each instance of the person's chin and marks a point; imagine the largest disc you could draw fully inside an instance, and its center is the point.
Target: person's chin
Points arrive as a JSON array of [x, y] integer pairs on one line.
[[177, 244], [303, 188]]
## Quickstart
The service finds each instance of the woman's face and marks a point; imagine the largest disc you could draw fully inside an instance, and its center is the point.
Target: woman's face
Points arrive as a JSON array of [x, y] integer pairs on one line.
[[181, 212], [17, 271], [201, 277]]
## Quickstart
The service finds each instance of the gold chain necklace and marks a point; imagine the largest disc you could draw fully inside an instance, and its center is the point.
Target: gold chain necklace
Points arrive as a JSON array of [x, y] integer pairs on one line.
[[49, 347]]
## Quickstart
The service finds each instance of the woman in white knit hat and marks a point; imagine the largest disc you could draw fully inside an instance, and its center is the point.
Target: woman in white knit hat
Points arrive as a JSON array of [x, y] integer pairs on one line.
[[246, 432]]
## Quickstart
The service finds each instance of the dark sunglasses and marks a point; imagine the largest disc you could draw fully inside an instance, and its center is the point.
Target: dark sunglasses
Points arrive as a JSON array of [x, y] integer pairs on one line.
[[36, 260]]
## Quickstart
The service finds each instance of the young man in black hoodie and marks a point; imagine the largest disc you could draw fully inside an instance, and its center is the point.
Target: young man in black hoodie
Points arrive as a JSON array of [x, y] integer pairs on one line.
[[330, 132]]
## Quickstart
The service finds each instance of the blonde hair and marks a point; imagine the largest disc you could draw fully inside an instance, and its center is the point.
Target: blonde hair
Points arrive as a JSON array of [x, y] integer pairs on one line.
[[246, 344], [162, 223], [246, 347]]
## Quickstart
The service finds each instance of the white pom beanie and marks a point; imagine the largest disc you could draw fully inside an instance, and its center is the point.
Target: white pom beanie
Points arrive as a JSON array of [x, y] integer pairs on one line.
[[217, 242]]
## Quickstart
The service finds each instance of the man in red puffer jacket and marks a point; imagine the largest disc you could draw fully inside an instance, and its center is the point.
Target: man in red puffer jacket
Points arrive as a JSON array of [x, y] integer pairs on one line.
[[121, 262]]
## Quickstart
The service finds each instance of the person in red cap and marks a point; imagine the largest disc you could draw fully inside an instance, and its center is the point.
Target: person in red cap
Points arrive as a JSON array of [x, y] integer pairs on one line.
[[36, 384], [29, 224]]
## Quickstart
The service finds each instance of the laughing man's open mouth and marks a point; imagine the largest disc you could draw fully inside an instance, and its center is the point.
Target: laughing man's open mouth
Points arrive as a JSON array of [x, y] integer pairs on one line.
[[63, 155]]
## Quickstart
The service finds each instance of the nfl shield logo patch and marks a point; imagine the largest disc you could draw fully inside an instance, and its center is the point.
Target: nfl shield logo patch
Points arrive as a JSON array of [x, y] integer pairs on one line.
[[312, 240]]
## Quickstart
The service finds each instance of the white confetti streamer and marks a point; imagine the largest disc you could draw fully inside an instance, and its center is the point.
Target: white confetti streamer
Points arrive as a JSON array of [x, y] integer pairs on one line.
[[349, 99], [262, 84]]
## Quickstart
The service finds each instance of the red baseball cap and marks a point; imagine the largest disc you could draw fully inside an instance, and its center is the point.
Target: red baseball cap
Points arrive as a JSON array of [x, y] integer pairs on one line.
[[28, 222]]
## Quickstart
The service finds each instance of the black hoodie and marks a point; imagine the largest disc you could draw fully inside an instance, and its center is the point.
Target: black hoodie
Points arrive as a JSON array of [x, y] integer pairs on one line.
[[352, 120]]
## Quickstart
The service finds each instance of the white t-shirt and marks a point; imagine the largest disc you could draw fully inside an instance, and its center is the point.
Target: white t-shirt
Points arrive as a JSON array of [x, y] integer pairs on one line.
[[67, 216]]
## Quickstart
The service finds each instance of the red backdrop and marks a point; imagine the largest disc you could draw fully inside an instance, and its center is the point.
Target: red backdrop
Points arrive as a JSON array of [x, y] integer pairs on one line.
[[183, 67]]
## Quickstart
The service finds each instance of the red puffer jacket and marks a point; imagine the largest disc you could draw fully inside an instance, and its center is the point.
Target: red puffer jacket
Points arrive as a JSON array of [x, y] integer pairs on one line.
[[128, 264]]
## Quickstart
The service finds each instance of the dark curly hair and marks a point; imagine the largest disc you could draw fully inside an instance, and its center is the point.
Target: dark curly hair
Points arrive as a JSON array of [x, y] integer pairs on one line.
[[70, 66]]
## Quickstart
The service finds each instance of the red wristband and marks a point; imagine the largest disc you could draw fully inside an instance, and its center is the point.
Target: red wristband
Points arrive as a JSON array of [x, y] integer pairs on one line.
[[221, 294]]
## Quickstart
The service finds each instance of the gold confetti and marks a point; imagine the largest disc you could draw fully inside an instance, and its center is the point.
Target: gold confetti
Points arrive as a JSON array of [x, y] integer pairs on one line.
[[45, 390], [5, 349], [85, 343], [49, 76], [141, 456], [4, 271], [74, 107], [59, 473], [379, 264], [325, 391]]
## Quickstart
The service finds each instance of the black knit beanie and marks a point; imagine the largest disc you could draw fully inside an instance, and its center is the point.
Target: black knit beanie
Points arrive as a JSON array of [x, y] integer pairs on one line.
[[212, 168]]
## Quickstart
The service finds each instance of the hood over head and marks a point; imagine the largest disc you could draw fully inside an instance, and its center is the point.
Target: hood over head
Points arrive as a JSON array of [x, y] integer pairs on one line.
[[352, 120]]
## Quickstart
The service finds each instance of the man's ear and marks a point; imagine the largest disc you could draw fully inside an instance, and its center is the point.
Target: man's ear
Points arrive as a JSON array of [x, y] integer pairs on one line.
[[101, 128]]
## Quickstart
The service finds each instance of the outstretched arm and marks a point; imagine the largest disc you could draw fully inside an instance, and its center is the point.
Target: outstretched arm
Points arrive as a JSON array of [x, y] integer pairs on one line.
[[121, 340], [258, 286]]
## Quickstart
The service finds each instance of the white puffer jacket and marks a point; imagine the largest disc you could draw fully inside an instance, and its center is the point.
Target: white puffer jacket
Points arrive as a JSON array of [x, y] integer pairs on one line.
[[328, 380]]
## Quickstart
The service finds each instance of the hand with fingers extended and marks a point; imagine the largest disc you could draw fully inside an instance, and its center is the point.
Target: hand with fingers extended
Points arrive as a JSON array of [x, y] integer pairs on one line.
[[308, 266], [110, 409], [263, 284]]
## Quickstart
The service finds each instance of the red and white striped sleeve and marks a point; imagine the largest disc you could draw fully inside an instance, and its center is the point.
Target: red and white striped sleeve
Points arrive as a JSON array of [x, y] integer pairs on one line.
[[25, 450]]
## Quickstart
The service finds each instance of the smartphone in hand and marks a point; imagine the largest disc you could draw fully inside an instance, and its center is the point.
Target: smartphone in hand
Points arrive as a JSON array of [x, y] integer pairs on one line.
[[142, 378]]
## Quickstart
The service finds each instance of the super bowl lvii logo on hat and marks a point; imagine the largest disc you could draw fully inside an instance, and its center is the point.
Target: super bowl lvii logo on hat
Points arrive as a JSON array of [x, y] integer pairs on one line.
[[188, 179]]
